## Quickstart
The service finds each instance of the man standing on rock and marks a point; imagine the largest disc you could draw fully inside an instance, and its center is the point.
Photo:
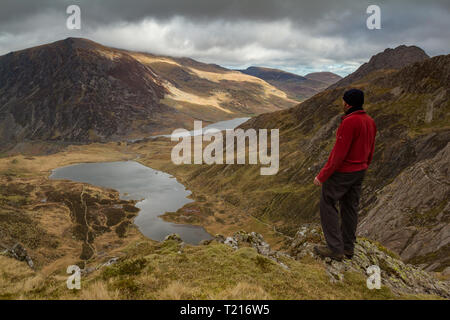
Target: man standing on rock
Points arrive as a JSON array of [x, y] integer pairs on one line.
[[342, 176]]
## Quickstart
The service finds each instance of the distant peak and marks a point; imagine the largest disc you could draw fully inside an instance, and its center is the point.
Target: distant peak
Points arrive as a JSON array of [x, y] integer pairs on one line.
[[404, 49], [271, 74], [81, 42], [396, 58]]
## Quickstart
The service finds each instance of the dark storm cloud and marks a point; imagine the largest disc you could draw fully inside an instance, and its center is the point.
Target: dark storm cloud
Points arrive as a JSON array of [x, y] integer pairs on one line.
[[133, 10], [292, 34]]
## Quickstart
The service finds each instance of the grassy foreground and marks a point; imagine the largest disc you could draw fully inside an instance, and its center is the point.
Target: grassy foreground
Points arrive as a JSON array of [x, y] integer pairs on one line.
[[150, 270]]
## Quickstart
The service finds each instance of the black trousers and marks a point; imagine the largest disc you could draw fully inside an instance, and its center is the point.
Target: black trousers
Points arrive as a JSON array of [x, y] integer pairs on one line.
[[345, 188]]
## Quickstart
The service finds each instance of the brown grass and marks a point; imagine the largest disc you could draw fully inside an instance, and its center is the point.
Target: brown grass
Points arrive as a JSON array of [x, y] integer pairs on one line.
[[243, 290]]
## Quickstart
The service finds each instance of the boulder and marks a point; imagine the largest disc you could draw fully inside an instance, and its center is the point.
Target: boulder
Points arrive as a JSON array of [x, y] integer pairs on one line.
[[18, 252], [205, 242], [219, 238], [231, 242], [255, 240], [174, 237]]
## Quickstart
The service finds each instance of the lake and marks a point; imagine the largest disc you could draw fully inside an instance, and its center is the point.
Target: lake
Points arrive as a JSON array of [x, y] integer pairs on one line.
[[221, 125], [157, 192]]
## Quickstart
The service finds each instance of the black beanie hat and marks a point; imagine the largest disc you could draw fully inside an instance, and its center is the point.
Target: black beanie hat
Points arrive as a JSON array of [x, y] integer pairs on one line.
[[354, 98]]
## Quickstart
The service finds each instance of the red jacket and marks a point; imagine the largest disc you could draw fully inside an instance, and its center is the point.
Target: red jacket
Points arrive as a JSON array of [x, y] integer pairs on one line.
[[354, 147]]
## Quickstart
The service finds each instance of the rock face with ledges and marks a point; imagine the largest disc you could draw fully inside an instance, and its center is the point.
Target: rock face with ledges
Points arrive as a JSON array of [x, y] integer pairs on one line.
[[401, 278], [412, 214], [20, 253]]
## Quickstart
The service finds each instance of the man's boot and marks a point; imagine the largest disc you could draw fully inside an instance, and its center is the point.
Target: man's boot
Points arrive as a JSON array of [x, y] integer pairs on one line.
[[326, 252], [348, 254]]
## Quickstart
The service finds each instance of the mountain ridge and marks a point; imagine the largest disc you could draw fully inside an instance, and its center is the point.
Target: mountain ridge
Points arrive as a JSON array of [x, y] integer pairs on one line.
[[299, 87], [324, 76]]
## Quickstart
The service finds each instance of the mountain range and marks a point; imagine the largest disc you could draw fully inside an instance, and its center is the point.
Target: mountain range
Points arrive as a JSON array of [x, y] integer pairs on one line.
[[78, 91]]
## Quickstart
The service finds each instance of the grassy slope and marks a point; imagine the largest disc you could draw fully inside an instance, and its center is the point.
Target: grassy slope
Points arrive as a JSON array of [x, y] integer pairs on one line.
[[152, 270]]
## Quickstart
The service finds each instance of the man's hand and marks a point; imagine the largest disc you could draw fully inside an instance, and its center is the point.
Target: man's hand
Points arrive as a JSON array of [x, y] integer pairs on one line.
[[317, 182]]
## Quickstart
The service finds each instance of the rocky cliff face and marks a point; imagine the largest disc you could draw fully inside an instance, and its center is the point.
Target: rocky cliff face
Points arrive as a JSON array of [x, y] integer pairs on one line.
[[405, 196], [411, 215]]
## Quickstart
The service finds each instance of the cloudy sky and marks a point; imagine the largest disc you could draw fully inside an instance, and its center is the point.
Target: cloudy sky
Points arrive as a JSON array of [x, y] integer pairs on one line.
[[294, 35]]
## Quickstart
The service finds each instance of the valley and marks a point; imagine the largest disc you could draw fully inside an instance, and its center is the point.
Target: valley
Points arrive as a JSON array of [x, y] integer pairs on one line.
[[243, 235], [146, 268]]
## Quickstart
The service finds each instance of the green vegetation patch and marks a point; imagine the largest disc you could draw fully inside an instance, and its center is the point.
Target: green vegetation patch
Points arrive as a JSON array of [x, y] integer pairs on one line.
[[125, 268]]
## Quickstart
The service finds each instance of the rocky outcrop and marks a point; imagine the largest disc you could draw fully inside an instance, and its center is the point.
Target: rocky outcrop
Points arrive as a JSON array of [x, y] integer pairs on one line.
[[173, 237], [18, 252], [401, 278], [253, 239], [88, 270]]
